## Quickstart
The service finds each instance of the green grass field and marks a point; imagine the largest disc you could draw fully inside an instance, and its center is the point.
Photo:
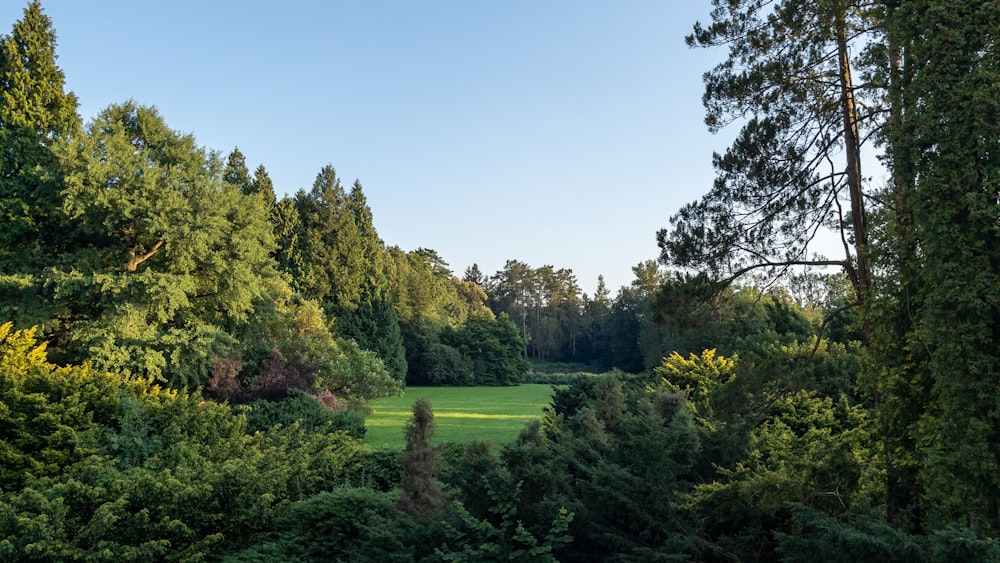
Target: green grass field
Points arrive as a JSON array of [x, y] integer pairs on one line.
[[461, 414]]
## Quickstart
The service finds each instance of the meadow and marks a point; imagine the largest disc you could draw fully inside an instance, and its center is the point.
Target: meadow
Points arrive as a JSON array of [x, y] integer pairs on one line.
[[461, 414]]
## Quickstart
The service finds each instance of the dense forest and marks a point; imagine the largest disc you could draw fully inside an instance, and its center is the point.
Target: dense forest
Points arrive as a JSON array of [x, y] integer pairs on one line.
[[185, 358]]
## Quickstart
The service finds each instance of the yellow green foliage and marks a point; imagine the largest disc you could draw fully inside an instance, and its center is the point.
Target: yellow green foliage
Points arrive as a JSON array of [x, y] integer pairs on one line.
[[697, 377], [98, 464]]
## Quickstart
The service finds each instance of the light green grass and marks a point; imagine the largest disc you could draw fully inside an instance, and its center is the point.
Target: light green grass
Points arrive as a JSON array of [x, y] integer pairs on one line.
[[461, 414]]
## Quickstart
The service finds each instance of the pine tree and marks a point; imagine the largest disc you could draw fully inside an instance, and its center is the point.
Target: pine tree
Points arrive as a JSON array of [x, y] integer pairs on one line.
[[794, 170], [236, 173]]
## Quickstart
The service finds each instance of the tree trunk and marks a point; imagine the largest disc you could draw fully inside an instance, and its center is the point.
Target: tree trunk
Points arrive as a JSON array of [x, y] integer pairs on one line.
[[852, 149]]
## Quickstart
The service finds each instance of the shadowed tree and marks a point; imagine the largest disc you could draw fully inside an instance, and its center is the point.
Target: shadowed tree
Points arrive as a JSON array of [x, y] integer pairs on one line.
[[419, 490], [941, 312]]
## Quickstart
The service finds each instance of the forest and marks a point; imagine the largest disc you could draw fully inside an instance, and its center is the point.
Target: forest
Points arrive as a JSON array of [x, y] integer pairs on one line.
[[186, 358]]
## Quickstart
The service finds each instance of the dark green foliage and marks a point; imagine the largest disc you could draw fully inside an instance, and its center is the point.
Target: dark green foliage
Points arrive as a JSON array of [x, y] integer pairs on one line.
[[375, 326], [446, 365], [348, 524], [35, 113], [819, 537], [420, 493], [323, 526], [476, 540], [940, 374], [493, 347], [378, 469], [618, 463], [298, 407]]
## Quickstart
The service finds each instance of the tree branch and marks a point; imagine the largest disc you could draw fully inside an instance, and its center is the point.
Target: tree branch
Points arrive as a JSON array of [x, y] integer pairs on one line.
[[134, 262], [784, 263]]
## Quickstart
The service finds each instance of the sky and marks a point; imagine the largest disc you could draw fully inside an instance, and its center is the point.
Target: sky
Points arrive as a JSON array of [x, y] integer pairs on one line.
[[553, 132]]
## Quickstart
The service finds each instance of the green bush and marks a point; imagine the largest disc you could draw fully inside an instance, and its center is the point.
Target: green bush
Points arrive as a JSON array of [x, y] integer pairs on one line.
[[304, 409]]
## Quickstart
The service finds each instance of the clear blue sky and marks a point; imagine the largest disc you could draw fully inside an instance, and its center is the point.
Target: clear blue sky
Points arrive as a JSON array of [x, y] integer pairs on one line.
[[549, 131]]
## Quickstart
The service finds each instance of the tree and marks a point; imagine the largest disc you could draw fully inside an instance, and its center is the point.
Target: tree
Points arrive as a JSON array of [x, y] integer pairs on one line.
[[237, 173], [165, 257], [794, 169], [475, 275], [373, 323], [941, 380], [596, 312], [262, 185], [35, 113], [332, 257], [419, 491], [632, 331], [510, 292], [493, 346]]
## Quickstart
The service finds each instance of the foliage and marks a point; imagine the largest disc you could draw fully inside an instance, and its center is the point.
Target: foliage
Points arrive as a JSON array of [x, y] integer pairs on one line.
[[790, 80], [935, 371], [419, 491], [492, 346], [617, 461], [290, 346], [322, 527], [697, 378], [35, 114], [819, 536], [848, 417], [105, 465], [509, 540], [47, 411], [299, 408]]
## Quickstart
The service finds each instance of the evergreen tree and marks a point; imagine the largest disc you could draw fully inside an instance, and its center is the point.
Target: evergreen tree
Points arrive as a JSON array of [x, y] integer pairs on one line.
[[794, 170], [168, 258], [236, 173], [35, 112], [475, 275], [332, 256], [493, 347], [262, 185], [595, 316], [287, 226], [419, 491], [940, 409]]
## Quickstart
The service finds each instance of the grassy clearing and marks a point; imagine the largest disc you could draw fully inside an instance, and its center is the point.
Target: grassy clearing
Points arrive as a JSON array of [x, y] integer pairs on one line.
[[461, 414]]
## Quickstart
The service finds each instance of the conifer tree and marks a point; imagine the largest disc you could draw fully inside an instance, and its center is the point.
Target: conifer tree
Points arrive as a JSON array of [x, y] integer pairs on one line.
[[262, 185], [419, 491], [236, 173], [35, 112], [794, 170], [332, 256]]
